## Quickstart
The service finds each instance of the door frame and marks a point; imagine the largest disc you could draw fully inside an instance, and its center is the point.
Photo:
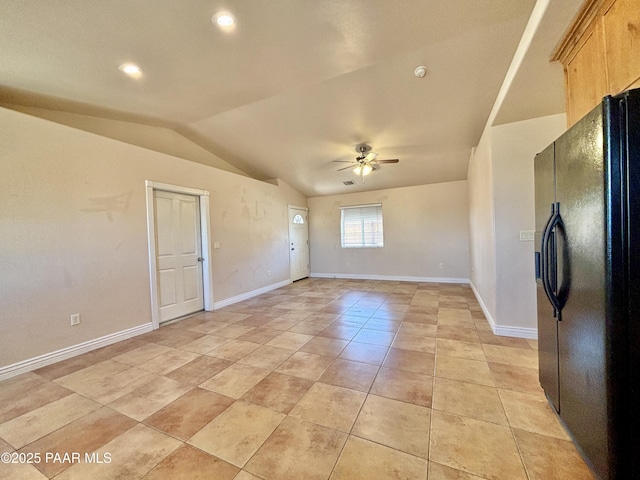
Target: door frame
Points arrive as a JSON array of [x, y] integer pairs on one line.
[[205, 233], [306, 209]]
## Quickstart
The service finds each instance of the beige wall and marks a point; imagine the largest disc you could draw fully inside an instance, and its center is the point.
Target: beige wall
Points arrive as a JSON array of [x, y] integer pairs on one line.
[[156, 138], [482, 253], [501, 186], [424, 226], [514, 147], [73, 233]]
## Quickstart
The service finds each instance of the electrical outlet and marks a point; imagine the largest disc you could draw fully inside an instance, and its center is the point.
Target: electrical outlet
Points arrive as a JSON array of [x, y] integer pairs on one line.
[[75, 319], [268, 273], [442, 265]]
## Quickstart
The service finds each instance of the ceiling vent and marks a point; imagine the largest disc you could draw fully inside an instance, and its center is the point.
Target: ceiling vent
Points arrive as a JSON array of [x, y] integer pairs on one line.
[[349, 182]]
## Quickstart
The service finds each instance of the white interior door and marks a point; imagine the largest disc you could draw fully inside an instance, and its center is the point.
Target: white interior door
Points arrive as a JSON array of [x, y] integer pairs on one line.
[[298, 243], [178, 254]]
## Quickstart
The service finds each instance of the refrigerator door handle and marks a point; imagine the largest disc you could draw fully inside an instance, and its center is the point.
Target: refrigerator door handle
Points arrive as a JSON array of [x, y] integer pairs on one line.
[[553, 221], [544, 254]]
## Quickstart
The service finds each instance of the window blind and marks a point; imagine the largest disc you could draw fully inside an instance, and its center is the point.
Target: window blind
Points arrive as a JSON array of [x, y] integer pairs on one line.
[[361, 226]]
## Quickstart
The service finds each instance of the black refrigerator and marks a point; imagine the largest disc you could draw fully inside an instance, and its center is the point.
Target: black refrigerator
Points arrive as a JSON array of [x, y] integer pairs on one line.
[[587, 201]]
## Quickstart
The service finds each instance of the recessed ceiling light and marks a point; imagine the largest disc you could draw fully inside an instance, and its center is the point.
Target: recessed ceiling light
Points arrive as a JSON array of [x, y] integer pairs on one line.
[[131, 69], [223, 19]]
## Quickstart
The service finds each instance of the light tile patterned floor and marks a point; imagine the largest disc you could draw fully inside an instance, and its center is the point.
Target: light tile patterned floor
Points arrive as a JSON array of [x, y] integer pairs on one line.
[[323, 379]]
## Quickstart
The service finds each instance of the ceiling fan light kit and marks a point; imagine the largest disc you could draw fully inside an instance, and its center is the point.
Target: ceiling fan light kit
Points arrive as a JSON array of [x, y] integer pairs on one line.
[[363, 170], [366, 162]]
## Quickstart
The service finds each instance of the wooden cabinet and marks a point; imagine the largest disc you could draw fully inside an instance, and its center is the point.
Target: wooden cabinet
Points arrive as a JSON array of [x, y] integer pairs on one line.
[[621, 25], [600, 54], [585, 77]]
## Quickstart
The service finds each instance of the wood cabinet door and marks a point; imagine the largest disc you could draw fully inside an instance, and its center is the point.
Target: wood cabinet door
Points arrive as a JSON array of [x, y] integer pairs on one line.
[[586, 77], [621, 25]]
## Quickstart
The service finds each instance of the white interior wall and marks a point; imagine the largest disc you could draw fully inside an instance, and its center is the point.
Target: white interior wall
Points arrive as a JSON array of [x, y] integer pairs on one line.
[[73, 233], [501, 186], [424, 226], [482, 247], [514, 148]]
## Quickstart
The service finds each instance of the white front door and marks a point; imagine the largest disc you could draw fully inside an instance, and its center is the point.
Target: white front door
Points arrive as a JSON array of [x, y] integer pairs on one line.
[[298, 243], [178, 254]]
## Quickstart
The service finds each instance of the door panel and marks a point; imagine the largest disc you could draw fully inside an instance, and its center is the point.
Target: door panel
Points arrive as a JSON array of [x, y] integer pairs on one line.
[[632, 361], [189, 227], [164, 243], [178, 250], [622, 42], [586, 77], [191, 276], [298, 243], [167, 279], [581, 331], [547, 322]]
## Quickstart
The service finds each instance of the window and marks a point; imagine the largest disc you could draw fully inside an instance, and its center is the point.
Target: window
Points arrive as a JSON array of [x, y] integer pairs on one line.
[[361, 226], [298, 218]]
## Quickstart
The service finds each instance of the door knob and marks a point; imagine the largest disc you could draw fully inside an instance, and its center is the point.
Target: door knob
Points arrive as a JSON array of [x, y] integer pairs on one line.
[[200, 259]]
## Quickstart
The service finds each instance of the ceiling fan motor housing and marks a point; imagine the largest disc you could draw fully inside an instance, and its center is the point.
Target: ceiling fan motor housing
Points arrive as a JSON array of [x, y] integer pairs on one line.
[[363, 149]]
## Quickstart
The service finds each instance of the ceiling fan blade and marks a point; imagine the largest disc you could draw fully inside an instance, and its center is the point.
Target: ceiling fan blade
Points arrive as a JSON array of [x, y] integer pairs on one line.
[[342, 161], [393, 160], [370, 156], [340, 169]]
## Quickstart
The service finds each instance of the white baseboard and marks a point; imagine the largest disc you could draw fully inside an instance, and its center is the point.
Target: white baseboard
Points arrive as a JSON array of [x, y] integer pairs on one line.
[[502, 330], [519, 332], [391, 278], [248, 295], [484, 308], [68, 352]]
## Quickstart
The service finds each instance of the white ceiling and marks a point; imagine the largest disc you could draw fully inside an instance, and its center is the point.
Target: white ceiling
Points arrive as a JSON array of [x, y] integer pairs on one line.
[[297, 83]]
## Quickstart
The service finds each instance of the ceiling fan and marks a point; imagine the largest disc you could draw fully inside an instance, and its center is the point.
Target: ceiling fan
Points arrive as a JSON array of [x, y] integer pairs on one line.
[[366, 162]]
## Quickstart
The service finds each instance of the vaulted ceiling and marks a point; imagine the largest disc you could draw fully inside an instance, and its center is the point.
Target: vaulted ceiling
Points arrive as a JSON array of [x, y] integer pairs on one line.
[[294, 84]]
